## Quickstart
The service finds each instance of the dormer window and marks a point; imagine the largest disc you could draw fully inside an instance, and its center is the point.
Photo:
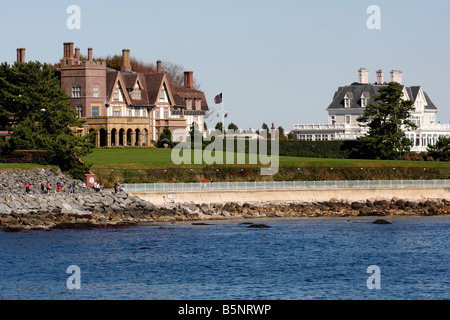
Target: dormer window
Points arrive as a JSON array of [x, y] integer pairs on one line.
[[365, 99], [347, 99], [136, 93]]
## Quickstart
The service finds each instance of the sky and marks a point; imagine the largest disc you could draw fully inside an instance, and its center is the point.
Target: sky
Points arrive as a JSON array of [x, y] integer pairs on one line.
[[274, 61]]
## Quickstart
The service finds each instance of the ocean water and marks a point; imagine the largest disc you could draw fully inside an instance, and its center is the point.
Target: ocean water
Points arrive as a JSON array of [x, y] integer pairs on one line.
[[295, 259]]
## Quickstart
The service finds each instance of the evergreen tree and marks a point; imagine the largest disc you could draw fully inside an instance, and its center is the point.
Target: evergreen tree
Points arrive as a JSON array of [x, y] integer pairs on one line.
[[386, 120], [35, 107], [441, 150]]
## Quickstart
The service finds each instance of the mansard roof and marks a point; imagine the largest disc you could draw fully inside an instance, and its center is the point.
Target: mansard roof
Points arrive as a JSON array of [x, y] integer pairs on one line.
[[356, 91]]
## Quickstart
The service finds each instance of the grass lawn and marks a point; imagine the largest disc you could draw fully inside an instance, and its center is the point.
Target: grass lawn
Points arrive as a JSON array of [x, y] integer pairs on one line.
[[146, 158]]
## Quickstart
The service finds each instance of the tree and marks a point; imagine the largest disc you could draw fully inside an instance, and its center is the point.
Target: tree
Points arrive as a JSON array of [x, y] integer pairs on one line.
[[386, 120], [165, 138], [219, 126], [194, 132], [265, 127], [35, 107], [282, 134], [233, 127], [441, 150]]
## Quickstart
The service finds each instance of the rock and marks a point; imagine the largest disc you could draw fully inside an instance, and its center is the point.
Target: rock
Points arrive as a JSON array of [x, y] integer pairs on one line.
[[381, 221], [258, 226]]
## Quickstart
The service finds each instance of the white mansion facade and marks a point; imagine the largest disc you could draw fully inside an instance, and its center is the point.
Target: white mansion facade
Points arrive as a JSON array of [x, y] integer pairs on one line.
[[349, 103]]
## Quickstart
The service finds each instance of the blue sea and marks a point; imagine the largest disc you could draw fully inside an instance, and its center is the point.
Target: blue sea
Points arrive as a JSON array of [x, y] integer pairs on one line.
[[294, 259]]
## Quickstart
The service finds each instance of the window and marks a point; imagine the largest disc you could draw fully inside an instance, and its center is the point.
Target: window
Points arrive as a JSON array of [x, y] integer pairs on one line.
[[363, 102], [347, 102], [157, 113], [80, 111], [309, 137], [144, 113], [116, 92], [116, 112], [76, 92], [137, 112], [348, 119], [166, 113], [136, 94], [96, 94], [95, 111], [431, 119], [333, 119], [129, 112], [198, 104], [189, 104]]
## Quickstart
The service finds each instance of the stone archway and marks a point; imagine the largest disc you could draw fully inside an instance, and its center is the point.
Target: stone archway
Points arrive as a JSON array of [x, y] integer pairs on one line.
[[103, 138], [137, 135], [129, 137], [121, 137], [114, 143]]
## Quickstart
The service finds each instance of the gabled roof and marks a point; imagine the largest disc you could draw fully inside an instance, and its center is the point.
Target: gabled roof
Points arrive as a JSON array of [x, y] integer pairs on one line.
[[182, 93], [151, 85], [130, 79]]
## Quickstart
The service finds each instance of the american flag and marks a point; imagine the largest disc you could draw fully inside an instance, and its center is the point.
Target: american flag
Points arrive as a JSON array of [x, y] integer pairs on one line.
[[218, 99]]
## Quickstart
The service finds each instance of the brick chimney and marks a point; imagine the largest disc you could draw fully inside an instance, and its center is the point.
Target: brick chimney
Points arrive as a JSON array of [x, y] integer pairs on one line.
[[380, 77], [90, 54], [21, 55], [189, 79], [77, 54], [396, 76], [273, 131], [126, 63], [363, 76], [68, 50], [158, 66]]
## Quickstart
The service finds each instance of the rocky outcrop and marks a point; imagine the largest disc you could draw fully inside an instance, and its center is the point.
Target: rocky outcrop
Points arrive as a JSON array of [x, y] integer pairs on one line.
[[106, 209]]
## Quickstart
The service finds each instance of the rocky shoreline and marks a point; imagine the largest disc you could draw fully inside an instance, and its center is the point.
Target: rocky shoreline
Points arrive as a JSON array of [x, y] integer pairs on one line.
[[105, 209]]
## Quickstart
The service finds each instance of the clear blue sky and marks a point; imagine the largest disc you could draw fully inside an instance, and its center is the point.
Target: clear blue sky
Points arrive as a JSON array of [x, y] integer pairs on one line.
[[275, 61]]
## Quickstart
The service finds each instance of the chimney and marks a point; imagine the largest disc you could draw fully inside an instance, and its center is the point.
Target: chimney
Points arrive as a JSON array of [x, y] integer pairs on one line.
[[21, 55], [126, 64], [77, 54], [396, 76], [189, 79], [158, 66], [273, 131], [380, 77], [90, 55], [363, 76], [68, 50]]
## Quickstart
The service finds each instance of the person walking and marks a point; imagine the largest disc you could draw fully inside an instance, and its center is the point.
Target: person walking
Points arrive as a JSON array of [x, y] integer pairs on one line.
[[83, 187], [27, 188], [42, 188], [48, 187], [1, 189]]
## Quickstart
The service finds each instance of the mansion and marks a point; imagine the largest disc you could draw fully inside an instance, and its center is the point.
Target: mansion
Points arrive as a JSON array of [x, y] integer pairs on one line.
[[349, 102], [127, 108]]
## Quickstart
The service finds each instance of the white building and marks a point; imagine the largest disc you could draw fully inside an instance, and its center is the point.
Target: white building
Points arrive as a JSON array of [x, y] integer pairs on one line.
[[349, 102]]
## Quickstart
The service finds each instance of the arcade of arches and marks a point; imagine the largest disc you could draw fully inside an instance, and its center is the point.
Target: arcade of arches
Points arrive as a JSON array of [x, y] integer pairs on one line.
[[115, 137]]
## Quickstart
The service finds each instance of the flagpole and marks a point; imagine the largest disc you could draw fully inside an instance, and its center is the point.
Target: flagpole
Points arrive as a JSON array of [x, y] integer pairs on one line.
[[223, 120]]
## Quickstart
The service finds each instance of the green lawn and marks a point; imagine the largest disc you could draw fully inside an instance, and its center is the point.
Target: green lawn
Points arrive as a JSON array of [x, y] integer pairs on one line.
[[144, 158]]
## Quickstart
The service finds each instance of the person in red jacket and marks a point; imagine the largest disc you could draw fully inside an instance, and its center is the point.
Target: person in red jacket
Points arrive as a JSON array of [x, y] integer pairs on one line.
[[27, 188]]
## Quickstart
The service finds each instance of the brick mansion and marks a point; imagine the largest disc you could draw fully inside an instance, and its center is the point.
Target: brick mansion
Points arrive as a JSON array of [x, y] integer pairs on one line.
[[126, 108]]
